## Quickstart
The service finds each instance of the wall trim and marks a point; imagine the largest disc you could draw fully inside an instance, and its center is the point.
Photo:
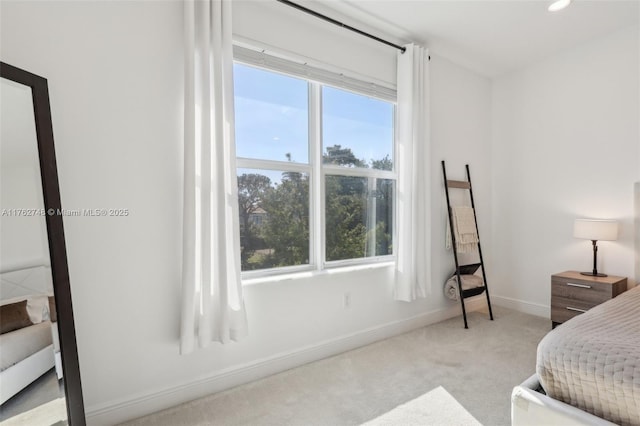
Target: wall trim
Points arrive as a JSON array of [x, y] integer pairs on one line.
[[531, 308], [141, 404]]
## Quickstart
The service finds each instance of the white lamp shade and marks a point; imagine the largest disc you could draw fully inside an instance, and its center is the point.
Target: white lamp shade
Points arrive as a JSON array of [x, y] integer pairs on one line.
[[595, 229]]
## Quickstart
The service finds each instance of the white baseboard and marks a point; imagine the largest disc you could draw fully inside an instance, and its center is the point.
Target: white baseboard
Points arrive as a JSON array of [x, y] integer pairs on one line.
[[536, 309], [139, 405]]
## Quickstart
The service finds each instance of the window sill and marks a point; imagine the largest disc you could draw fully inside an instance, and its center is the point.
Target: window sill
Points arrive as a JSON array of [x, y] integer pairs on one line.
[[315, 273]]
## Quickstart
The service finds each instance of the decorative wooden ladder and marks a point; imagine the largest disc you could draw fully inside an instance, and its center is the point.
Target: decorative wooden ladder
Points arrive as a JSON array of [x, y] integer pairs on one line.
[[471, 268]]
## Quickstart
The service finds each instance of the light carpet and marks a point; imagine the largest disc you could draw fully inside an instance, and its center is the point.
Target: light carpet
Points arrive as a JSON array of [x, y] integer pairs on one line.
[[479, 367], [52, 413], [435, 408]]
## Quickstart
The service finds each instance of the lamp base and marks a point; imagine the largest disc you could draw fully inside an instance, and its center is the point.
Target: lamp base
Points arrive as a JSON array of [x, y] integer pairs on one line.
[[591, 274]]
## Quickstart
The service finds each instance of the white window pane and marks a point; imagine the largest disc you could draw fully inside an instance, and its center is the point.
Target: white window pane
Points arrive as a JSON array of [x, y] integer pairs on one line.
[[274, 218], [359, 217], [357, 131], [271, 114]]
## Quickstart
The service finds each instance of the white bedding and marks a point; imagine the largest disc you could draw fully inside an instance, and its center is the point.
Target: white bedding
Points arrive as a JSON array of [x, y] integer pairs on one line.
[[593, 360], [17, 345]]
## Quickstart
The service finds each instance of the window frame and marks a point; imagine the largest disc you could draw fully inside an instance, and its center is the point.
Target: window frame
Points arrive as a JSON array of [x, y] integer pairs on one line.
[[315, 167]]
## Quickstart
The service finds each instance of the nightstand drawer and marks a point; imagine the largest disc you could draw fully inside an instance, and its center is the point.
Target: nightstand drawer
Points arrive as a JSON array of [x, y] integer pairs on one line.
[[563, 308], [566, 311], [592, 292], [573, 304], [573, 293]]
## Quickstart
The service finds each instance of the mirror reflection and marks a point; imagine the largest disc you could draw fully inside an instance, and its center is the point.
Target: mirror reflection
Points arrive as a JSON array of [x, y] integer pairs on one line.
[[31, 382]]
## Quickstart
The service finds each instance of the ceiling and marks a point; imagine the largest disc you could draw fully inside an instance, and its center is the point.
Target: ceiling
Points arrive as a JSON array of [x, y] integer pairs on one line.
[[490, 37]]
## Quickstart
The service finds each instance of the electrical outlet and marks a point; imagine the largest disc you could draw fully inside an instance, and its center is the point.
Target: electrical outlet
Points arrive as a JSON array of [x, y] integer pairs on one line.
[[346, 301]]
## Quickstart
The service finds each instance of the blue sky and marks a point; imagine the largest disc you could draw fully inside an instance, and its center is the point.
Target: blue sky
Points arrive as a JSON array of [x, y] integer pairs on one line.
[[272, 118]]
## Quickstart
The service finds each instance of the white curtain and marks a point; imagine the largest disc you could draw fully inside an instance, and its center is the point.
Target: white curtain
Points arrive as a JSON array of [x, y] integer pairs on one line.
[[212, 302], [414, 207]]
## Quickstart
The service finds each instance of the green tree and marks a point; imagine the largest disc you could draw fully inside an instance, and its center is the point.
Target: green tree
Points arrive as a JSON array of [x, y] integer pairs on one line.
[[384, 216], [384, 208], [253, 189], [345, 231], [336, 154], [383, 164], [286, 233], [345, 207]]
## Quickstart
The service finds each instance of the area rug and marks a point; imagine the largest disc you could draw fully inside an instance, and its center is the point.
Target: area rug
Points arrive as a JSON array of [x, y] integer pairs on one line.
[[436, 407]]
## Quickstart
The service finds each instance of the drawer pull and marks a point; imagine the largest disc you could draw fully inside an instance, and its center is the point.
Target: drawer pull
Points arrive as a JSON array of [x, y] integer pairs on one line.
[[578, 285], [576, 309]]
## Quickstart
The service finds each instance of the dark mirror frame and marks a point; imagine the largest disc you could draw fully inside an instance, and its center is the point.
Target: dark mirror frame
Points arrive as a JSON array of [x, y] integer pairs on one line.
[[55, 233]]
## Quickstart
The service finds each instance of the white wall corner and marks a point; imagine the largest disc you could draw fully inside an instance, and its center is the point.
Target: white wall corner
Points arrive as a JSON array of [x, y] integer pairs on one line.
[[135, 406]]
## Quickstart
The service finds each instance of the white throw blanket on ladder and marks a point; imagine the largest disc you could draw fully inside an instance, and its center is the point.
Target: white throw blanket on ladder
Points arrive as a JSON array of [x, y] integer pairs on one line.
[[464, 227]]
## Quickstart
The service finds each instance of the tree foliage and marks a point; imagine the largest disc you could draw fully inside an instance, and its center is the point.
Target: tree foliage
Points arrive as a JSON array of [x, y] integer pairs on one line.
[[286, 231], [356, 216], [383, 164], [253, 190], [345, 217], [336, 154]]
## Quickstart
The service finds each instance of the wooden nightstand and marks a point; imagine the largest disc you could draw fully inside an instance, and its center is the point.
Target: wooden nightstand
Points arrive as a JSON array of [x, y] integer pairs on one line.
[[573, 293]]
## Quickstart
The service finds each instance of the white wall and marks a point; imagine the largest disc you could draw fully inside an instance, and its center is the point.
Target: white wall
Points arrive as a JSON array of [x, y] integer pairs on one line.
[[565, 143], [460, 127], [115, 76]]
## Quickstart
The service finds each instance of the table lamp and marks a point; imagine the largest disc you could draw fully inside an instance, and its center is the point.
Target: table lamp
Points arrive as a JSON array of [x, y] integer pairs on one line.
[[595, 230]]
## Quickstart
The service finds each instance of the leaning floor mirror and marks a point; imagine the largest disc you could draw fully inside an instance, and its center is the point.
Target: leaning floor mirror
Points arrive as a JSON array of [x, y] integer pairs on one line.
[[40, 375]]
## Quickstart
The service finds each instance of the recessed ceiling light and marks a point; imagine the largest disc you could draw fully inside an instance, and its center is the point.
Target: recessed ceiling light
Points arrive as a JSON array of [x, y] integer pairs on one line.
[[559, 5]]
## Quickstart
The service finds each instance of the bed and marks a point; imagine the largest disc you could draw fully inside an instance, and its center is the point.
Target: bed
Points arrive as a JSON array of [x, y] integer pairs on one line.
[[27, 347], [587, 370]]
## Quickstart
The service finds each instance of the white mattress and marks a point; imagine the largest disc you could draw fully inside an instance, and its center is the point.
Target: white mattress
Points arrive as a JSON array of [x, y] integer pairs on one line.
[[20, 344], [593, 360]]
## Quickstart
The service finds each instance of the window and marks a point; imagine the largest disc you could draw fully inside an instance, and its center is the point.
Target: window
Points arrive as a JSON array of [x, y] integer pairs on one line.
[[316, 175]]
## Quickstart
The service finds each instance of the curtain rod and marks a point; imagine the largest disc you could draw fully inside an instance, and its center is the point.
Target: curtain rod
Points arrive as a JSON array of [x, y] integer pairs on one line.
[[341, 24]]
